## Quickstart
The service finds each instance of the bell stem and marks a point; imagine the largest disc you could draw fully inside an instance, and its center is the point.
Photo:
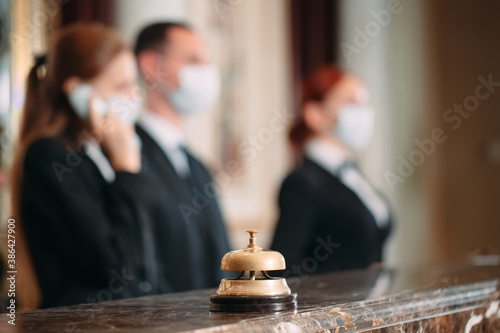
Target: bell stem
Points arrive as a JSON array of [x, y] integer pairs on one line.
[[253, 239]]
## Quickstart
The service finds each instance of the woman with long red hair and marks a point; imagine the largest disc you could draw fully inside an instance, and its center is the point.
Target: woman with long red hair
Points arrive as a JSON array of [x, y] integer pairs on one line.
[[78, 196], [330, 217]]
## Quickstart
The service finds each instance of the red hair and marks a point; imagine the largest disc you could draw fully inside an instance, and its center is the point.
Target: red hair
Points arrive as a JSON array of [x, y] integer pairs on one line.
[[314, 88]]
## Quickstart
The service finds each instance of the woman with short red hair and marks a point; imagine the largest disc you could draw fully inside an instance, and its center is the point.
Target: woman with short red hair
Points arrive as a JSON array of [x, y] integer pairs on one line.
[[330, 217]]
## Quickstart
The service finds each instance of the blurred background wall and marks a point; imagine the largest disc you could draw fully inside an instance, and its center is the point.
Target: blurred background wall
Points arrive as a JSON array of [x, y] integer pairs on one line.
[[382, 44], [465, 184], [418, 59]]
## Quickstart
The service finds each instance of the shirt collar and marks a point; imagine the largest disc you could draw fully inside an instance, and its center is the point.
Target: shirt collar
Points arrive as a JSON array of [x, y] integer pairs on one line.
[[326, 155], [94, 152], [167, 135]]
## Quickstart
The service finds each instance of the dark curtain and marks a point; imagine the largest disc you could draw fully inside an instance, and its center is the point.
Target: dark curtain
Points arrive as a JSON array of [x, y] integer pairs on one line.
[[315, 38], [87, 11]]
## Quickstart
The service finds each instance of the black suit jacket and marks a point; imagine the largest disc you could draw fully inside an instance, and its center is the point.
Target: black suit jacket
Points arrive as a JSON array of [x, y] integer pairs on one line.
[[323, 225], [189, 231], [84, 234]]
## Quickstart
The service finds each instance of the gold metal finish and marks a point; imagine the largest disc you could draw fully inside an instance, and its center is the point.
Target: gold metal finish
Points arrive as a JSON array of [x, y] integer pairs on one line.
[[261, 286], [253, 262], [253, 258]]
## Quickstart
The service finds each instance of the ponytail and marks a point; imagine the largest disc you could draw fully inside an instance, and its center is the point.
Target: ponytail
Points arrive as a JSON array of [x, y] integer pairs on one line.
[[28, 293], [33, 103]]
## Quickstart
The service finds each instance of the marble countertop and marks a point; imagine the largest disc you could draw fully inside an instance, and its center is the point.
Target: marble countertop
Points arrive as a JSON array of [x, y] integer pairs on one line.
[[352, 301]]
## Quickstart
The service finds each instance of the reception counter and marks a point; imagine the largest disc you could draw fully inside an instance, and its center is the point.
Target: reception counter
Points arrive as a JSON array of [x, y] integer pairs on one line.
[[441, 298]]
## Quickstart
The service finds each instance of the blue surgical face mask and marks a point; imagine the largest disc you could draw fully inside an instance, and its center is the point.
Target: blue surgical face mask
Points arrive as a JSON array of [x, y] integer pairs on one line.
[[126, 108], [355, 125]]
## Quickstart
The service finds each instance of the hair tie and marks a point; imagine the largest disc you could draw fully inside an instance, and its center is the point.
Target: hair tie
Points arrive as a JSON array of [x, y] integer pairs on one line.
[[40, 62]]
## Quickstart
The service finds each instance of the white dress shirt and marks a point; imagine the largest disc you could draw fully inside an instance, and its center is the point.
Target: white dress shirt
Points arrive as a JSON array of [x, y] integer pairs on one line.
[[170, 139], [335, 160], [94, 152]]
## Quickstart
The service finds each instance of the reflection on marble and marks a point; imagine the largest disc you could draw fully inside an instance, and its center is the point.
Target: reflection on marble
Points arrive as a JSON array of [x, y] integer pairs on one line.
[[443, 298]]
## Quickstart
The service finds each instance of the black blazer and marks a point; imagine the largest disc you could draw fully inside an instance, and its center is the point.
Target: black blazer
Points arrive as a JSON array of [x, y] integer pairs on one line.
[[84, 234], [323, 225], [189, 230]]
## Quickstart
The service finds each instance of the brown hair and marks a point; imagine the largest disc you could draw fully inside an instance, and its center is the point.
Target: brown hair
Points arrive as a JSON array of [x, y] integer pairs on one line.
[[82, 50], [314, 88]]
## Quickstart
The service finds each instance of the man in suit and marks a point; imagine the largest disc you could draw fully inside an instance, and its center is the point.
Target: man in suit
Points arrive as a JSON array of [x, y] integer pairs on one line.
[[187, 230]]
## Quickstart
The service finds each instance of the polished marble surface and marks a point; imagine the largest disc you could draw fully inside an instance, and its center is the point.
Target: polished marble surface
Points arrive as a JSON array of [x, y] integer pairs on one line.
[[444, 297]]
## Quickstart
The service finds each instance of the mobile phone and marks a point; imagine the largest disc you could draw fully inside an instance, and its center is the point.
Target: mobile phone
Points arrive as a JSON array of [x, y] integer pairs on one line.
[[80, 97]]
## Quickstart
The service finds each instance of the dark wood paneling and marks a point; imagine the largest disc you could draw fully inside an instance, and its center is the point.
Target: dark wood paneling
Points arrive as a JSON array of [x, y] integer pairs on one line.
[[314, 26], [87, 11]]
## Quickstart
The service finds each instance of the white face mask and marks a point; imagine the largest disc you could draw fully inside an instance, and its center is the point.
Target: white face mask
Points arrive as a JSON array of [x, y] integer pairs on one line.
[[126, 108], [355, 125], [199, 87]]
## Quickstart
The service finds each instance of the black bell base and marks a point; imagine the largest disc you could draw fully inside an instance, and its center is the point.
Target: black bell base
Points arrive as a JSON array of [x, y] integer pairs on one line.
[[221, 303]]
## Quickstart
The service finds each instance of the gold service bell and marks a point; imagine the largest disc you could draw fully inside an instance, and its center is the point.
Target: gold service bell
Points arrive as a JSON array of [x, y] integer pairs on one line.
[[253, 290]]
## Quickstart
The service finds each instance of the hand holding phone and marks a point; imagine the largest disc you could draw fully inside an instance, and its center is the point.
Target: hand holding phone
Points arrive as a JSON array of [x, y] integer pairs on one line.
[[117, 135], [80, 98], [118, 141], [83, 94]]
